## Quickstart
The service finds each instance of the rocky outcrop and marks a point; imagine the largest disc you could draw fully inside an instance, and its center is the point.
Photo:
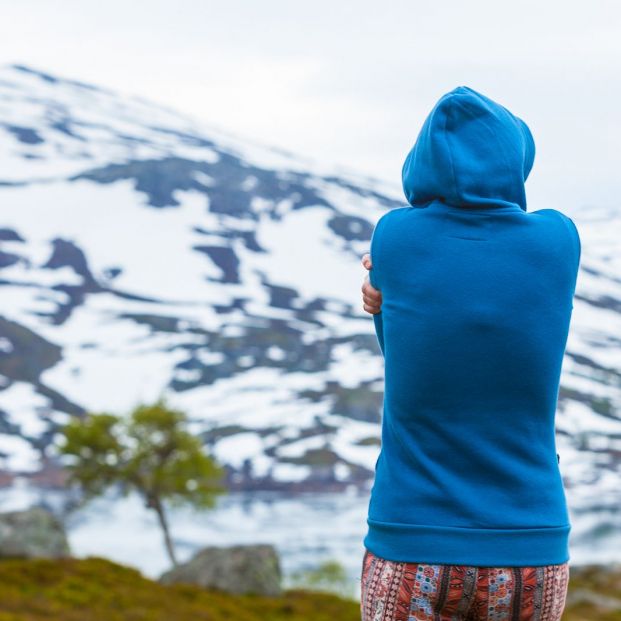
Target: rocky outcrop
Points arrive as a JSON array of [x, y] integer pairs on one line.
[[237, 569], [596, 586], [33, 533]]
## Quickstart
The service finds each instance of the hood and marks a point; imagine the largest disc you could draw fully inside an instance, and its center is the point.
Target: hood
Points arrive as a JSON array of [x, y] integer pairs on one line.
[[471, 152]]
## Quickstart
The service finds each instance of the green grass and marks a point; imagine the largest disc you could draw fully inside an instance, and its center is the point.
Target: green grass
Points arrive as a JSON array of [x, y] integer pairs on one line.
[[95, 589], [586, 588]]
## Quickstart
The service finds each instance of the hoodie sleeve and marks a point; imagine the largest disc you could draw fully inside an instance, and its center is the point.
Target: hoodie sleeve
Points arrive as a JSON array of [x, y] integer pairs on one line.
[[576, 240], [376, 280], [577, 251], [576, 246]]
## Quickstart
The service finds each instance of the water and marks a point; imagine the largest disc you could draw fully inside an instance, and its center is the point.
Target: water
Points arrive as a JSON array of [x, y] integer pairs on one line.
[[305, 529]]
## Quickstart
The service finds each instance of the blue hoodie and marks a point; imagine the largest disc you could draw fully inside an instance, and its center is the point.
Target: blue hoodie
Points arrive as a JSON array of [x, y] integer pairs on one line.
[[477, 297]]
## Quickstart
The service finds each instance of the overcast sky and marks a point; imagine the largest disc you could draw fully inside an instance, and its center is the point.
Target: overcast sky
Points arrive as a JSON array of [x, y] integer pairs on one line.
[[350, 82]]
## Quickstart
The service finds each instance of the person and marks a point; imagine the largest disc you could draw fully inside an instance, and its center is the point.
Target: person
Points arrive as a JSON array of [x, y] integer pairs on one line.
[[471, 297]]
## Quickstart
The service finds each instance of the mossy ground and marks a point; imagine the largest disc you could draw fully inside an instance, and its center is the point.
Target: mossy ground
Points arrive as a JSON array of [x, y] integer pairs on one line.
[[95, 589], [594, 594]]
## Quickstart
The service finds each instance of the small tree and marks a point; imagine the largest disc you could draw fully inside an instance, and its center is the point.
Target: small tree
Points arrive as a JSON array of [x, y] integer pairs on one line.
[[149, 452]]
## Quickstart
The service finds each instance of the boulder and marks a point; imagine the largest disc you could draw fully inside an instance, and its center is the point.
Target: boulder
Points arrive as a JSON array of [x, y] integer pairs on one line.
[[33, 533], [240, 569], [597, 585]]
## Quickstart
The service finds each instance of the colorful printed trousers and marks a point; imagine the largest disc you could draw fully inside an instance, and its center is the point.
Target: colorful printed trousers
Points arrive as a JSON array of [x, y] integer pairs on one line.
[[399, 591]]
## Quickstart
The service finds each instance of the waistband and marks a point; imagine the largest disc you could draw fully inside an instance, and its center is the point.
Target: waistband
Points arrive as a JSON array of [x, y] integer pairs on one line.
[[453, 545]]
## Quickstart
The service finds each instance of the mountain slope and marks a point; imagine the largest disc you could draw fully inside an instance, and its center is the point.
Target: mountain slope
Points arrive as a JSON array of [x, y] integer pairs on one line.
[[143, 252]]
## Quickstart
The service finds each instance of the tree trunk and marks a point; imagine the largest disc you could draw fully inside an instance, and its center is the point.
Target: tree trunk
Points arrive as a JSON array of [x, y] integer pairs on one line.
[[155, 503]]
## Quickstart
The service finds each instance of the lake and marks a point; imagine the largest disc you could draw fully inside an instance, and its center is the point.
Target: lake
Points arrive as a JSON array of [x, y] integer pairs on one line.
[[305, 529]]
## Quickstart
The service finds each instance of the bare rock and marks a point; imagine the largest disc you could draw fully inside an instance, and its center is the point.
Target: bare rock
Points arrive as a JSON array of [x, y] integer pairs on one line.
[[33, 533], [237, 569]]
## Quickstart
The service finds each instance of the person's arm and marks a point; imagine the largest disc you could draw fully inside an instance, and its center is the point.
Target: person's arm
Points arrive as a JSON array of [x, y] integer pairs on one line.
[[372, 300], [378, 318], [372, 296]]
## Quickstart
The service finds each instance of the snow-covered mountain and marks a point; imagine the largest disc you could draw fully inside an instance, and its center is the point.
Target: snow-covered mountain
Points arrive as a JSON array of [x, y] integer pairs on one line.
[[143, 252]]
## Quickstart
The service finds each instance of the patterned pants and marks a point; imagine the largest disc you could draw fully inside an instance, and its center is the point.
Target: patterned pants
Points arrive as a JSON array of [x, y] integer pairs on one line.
[[399, 591]]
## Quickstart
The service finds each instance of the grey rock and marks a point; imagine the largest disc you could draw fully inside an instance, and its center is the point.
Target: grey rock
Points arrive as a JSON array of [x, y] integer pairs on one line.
[[33, 533], [240, 569], [603, 586], [585, 596]]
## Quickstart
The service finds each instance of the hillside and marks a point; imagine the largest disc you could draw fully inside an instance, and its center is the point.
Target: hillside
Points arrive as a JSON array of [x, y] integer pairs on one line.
[[94, 589], [144, 252]]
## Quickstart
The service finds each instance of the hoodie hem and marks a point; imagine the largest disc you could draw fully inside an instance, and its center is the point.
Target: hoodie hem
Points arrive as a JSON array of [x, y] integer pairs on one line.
[[452, 545]]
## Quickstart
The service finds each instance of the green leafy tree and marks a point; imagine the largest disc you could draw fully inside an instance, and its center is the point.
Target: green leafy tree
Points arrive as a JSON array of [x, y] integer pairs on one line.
[[149, 452]]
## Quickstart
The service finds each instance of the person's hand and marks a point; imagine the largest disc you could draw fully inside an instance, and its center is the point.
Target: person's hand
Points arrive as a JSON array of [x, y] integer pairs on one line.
[[371, 297]]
